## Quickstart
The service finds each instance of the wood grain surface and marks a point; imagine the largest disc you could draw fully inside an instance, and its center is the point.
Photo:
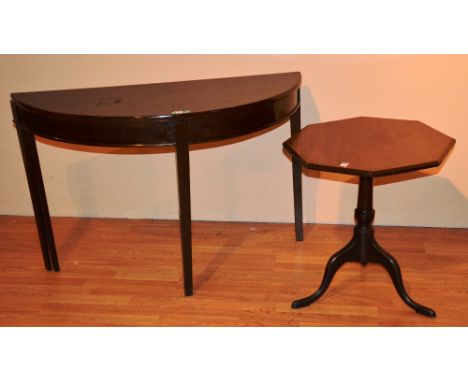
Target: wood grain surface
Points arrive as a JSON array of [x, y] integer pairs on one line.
[[160, 114], [162, 99], [369, 146], [118, 272]]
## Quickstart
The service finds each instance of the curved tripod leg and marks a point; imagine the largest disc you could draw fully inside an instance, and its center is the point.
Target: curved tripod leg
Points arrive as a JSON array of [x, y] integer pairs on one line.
[[392, 267], [334, 263]]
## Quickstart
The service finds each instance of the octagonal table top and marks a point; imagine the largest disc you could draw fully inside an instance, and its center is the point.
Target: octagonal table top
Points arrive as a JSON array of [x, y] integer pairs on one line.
[[368, 146]]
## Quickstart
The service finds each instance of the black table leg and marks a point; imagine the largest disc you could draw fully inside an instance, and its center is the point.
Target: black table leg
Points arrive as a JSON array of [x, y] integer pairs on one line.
[[185, 220], [38, 197], [364, 248], [295, 123]]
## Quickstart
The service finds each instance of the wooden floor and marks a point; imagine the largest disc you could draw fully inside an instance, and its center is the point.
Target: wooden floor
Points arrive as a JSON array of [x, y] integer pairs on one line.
[[128, 272]]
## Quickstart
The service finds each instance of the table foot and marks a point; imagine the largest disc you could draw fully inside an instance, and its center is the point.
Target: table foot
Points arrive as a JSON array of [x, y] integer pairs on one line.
[[334, 263], [391, 265], [353, 252]]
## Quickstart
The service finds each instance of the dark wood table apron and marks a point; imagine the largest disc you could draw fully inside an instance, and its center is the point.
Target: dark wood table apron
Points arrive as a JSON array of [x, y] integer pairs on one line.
[[166, 114]]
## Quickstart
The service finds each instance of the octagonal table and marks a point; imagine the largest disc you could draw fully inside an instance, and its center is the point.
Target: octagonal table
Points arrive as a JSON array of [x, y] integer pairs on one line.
[[367, 147]]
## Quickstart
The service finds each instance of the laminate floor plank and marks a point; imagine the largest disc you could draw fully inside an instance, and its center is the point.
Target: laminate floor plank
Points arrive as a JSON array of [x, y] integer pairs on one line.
[[120, 272]]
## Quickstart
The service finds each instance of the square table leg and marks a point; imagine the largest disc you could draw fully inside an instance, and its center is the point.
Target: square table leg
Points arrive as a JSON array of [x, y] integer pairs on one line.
[[295, 123], [36, 188], [185, 219]]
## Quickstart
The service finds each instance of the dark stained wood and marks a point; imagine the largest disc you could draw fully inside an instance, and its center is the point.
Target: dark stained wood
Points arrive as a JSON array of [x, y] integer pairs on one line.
[[367, 147], [185, 215], [161, 99], [38, 198], [297, 175], [176, 113], [149, 114], [363, 248], [119, 272], [370, 146]]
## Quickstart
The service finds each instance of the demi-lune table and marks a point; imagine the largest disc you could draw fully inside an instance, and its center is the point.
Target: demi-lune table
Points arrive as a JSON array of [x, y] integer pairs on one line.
[[367, 147], [164, 114]]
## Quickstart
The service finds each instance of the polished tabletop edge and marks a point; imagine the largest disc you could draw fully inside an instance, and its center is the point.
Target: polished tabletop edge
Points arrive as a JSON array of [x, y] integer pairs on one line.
[[159, 83], [369, 146], [166, 100]]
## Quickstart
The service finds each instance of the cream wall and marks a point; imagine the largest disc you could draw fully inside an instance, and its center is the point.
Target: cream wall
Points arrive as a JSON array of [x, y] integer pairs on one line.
[[250, 180]]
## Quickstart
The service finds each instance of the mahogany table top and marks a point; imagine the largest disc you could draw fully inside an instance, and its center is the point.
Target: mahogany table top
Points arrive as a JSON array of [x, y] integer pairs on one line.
[[367, 146], [162, 113]]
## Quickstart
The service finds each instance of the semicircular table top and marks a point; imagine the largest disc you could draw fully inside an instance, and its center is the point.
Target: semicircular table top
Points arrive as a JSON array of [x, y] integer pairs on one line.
[[152, 114]]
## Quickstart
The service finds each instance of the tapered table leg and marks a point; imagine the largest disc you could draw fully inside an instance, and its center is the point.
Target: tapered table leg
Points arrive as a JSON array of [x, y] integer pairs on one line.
[[185, 219], [295, 123], [36, 188]]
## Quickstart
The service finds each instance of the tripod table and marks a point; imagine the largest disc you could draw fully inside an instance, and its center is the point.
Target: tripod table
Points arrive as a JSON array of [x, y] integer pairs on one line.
[[367, 147]]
